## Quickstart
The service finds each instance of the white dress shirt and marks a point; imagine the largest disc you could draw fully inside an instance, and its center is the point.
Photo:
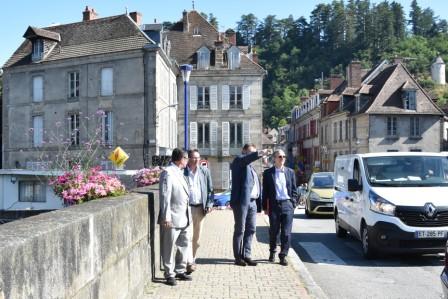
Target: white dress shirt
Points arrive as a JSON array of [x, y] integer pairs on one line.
[[256, 188], [194, 186], [281, 192]]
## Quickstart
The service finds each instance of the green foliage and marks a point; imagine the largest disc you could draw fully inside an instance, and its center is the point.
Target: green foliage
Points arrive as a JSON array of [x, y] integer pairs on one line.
[[296, 52]]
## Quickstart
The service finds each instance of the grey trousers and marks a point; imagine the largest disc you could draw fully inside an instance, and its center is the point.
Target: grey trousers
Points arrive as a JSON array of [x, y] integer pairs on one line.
[[174, 261], [245, 226]]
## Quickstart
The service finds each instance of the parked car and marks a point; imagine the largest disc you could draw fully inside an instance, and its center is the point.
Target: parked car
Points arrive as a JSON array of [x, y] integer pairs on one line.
[[444, 275], [319, 194], [222, 199], [393, 202]]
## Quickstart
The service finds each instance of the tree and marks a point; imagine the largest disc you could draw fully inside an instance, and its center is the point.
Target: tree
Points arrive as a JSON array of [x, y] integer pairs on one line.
[[213, 21], [415, 16], [399, 22], [246, 28]]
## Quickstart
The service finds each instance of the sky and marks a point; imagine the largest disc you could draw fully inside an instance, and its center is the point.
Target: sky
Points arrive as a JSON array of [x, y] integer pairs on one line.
[[17, 15]]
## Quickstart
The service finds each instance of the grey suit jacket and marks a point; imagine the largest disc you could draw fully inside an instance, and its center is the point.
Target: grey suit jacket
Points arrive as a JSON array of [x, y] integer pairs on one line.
[[173, 195], [205, 180]]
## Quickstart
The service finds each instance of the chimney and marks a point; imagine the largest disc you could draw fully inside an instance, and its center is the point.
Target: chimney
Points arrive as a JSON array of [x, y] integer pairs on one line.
[[335, 81], [254, 56], [186, 23], [137, 17], [219, 53], [398, 60], [89, 14], [231, 36], [354, 74]]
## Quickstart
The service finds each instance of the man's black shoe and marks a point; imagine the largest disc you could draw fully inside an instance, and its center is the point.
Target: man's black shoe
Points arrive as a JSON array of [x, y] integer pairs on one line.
[[171, 281], [184, 276], [240, 262], [283, 261], [272, 257], [250, 262]]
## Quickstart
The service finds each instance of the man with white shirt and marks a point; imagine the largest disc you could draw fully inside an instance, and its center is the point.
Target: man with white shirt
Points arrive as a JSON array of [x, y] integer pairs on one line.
[[279, 202], [174, 218], [245, 201], [201, 201]]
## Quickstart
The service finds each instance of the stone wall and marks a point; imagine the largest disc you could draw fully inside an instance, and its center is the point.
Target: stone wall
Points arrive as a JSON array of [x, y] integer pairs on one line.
[[99, 249]]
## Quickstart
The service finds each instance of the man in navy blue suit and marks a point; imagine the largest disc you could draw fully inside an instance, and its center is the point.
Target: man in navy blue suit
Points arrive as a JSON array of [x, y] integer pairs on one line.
[[279, 194], [246, 193]]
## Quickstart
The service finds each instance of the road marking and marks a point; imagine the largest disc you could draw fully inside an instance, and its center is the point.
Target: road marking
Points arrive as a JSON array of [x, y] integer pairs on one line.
[[321, 254]]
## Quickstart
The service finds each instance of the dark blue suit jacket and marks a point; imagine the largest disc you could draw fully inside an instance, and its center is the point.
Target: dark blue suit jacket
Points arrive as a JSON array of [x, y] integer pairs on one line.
[[269, 194], [242, 181]]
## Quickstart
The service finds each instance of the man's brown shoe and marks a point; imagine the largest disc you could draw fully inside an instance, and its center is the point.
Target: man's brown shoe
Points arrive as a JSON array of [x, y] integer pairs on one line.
[[191, 268]]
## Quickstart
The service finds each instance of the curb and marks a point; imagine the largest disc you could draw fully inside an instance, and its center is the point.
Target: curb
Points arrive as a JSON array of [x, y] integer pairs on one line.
[[312, 287]]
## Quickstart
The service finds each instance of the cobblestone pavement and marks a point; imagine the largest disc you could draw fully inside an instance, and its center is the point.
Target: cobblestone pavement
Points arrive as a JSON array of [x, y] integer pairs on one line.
[[217, 276]]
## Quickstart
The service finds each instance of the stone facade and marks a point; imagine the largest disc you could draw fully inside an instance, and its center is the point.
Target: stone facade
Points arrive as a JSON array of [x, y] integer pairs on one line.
[[116, 69], [224, 91]]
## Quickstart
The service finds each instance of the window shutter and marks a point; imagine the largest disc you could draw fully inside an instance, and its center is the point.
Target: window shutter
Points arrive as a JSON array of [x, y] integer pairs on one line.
[[193, 97], [213, 137], [225, 138], [38, 88], [37, 130], [246, 132], [225, 97], [246, 97], [225, 175], [214, 97], [193, 135], [107, 79]]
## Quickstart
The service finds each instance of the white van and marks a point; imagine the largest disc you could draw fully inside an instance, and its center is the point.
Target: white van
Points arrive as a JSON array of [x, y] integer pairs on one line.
[[393, 202]]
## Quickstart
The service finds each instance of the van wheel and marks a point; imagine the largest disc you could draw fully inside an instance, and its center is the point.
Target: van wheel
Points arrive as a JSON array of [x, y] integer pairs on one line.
[[340, 232], [367, 249], [307, 212]]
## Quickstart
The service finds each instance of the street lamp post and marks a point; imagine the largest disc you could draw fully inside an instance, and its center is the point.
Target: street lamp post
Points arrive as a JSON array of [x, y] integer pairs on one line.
[[186, 71]]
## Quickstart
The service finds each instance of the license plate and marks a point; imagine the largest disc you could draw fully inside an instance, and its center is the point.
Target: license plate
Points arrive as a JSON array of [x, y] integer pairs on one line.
[[430, 234]]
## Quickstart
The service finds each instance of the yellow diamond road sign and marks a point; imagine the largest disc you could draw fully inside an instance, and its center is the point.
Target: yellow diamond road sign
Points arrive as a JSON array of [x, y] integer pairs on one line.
[[118, 156]]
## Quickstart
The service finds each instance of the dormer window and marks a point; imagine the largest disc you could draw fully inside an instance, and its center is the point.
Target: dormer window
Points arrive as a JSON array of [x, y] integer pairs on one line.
[[38, 49], [233, 56], [196, 31], [409, 101], [203, 58]]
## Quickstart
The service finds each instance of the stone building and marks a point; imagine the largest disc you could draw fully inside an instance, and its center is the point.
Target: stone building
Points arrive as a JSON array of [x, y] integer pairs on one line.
[[225, 93], [383, 110], [101, 77]]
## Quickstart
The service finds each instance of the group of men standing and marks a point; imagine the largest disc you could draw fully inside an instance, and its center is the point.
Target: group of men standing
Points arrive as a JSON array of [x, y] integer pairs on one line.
[[186, 196]]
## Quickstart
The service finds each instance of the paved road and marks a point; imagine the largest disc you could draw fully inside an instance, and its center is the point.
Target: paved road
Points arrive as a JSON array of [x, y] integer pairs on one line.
[[338, 267]]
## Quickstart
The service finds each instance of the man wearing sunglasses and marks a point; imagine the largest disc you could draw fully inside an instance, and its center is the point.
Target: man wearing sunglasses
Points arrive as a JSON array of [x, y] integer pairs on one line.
[[279, 194]]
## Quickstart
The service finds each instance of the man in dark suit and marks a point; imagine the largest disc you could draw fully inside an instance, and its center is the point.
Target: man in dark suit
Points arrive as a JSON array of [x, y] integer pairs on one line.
[[246, 192], [279, 193]]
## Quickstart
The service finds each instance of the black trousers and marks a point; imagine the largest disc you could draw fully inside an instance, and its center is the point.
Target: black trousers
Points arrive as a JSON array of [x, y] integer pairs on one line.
[[280, 220]]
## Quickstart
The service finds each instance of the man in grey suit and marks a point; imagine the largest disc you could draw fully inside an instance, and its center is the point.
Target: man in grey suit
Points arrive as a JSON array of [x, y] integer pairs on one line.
[[201, 201], [245, 201], [174, 218]]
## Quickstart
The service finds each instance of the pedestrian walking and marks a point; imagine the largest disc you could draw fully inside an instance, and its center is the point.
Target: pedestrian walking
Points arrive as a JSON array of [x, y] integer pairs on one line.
[[174, 218], [279, 202], [245, 201], [201, 201]]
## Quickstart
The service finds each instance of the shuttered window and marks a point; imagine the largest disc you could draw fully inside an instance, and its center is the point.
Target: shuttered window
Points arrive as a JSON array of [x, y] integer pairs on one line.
[[73, 128], [203, 97], [214, 97], [73, 85], [225, 175], [193, 97], [391, 126], [236, 97], [236, 135], [225, 97], [38, 88], [193, 135], [414, 126], [38, 131], [107, 128], [203, 135], [246, 97], [225, 138], [107, 82], [213, 137]]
